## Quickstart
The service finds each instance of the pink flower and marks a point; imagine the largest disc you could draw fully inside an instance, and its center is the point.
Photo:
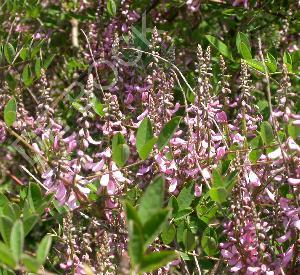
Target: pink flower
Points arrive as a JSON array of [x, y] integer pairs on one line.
[[198, 190], [253, 179], [221, 117], [293, 181], [112, 180]]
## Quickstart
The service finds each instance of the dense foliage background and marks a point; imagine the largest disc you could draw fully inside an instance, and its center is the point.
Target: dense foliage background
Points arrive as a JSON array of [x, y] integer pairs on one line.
[[157, 137]]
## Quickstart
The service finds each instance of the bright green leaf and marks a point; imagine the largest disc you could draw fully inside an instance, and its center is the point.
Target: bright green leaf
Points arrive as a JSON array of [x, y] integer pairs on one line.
[[43, 249], [10, 112], [37, 68], [145, 151], [26, 75], [189, 240], [167, 132], [183, 213], [6, 256], [218, 194], [209, 245], [30, 263], [168, 234], [17, 240], [245, 51], [217, 179], [6, 225], [120, 154], [255, 64], [266, 132], [111, 7], [144, 134], [98, 107], [154, 226], [242, 38], [152, 200], [9, 53], [186, 196], [220, 46], [136, 243], [155, 260], [29, 223]]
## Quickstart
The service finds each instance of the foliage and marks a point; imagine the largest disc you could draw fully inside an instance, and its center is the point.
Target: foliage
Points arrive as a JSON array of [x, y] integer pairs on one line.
[[157, 137]]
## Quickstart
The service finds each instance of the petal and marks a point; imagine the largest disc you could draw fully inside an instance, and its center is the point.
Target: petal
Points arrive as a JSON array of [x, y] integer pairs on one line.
[[104, 179]]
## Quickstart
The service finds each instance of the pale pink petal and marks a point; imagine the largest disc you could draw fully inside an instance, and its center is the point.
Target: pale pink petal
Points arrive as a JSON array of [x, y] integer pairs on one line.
[[293, 181], [284, 238], [198, 190], [104, 180]]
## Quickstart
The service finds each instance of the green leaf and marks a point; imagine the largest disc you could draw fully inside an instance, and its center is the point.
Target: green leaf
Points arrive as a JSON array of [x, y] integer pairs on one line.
[[287, 59], [245, 51], [209, 245], [145, 151], [219, 45], [11, 81], [271, 62], [218, 194], [186, 196], [154, 226], [152, 200], [120, 154], [168, 234], [37, 68], [183, 213], [217, 179], [242, 38], [294, 131], [43, 249], [3, 200], [35, 196], [255, 64], [209, 242], [167, 132], [24, 53], [120, 150], [206, 211], [155, 260], [9, 53], [9, 211], [17, 240], [26, 75], [266, 133], [98, 107], [30, 263], [118, 139], [6, 225], [78, 106], [254, 155], [111, 7], [10, 112], [131, 214], [29, 223], [136, 243], [189, 240], [144, 135], [6, 256], [48, 61]]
